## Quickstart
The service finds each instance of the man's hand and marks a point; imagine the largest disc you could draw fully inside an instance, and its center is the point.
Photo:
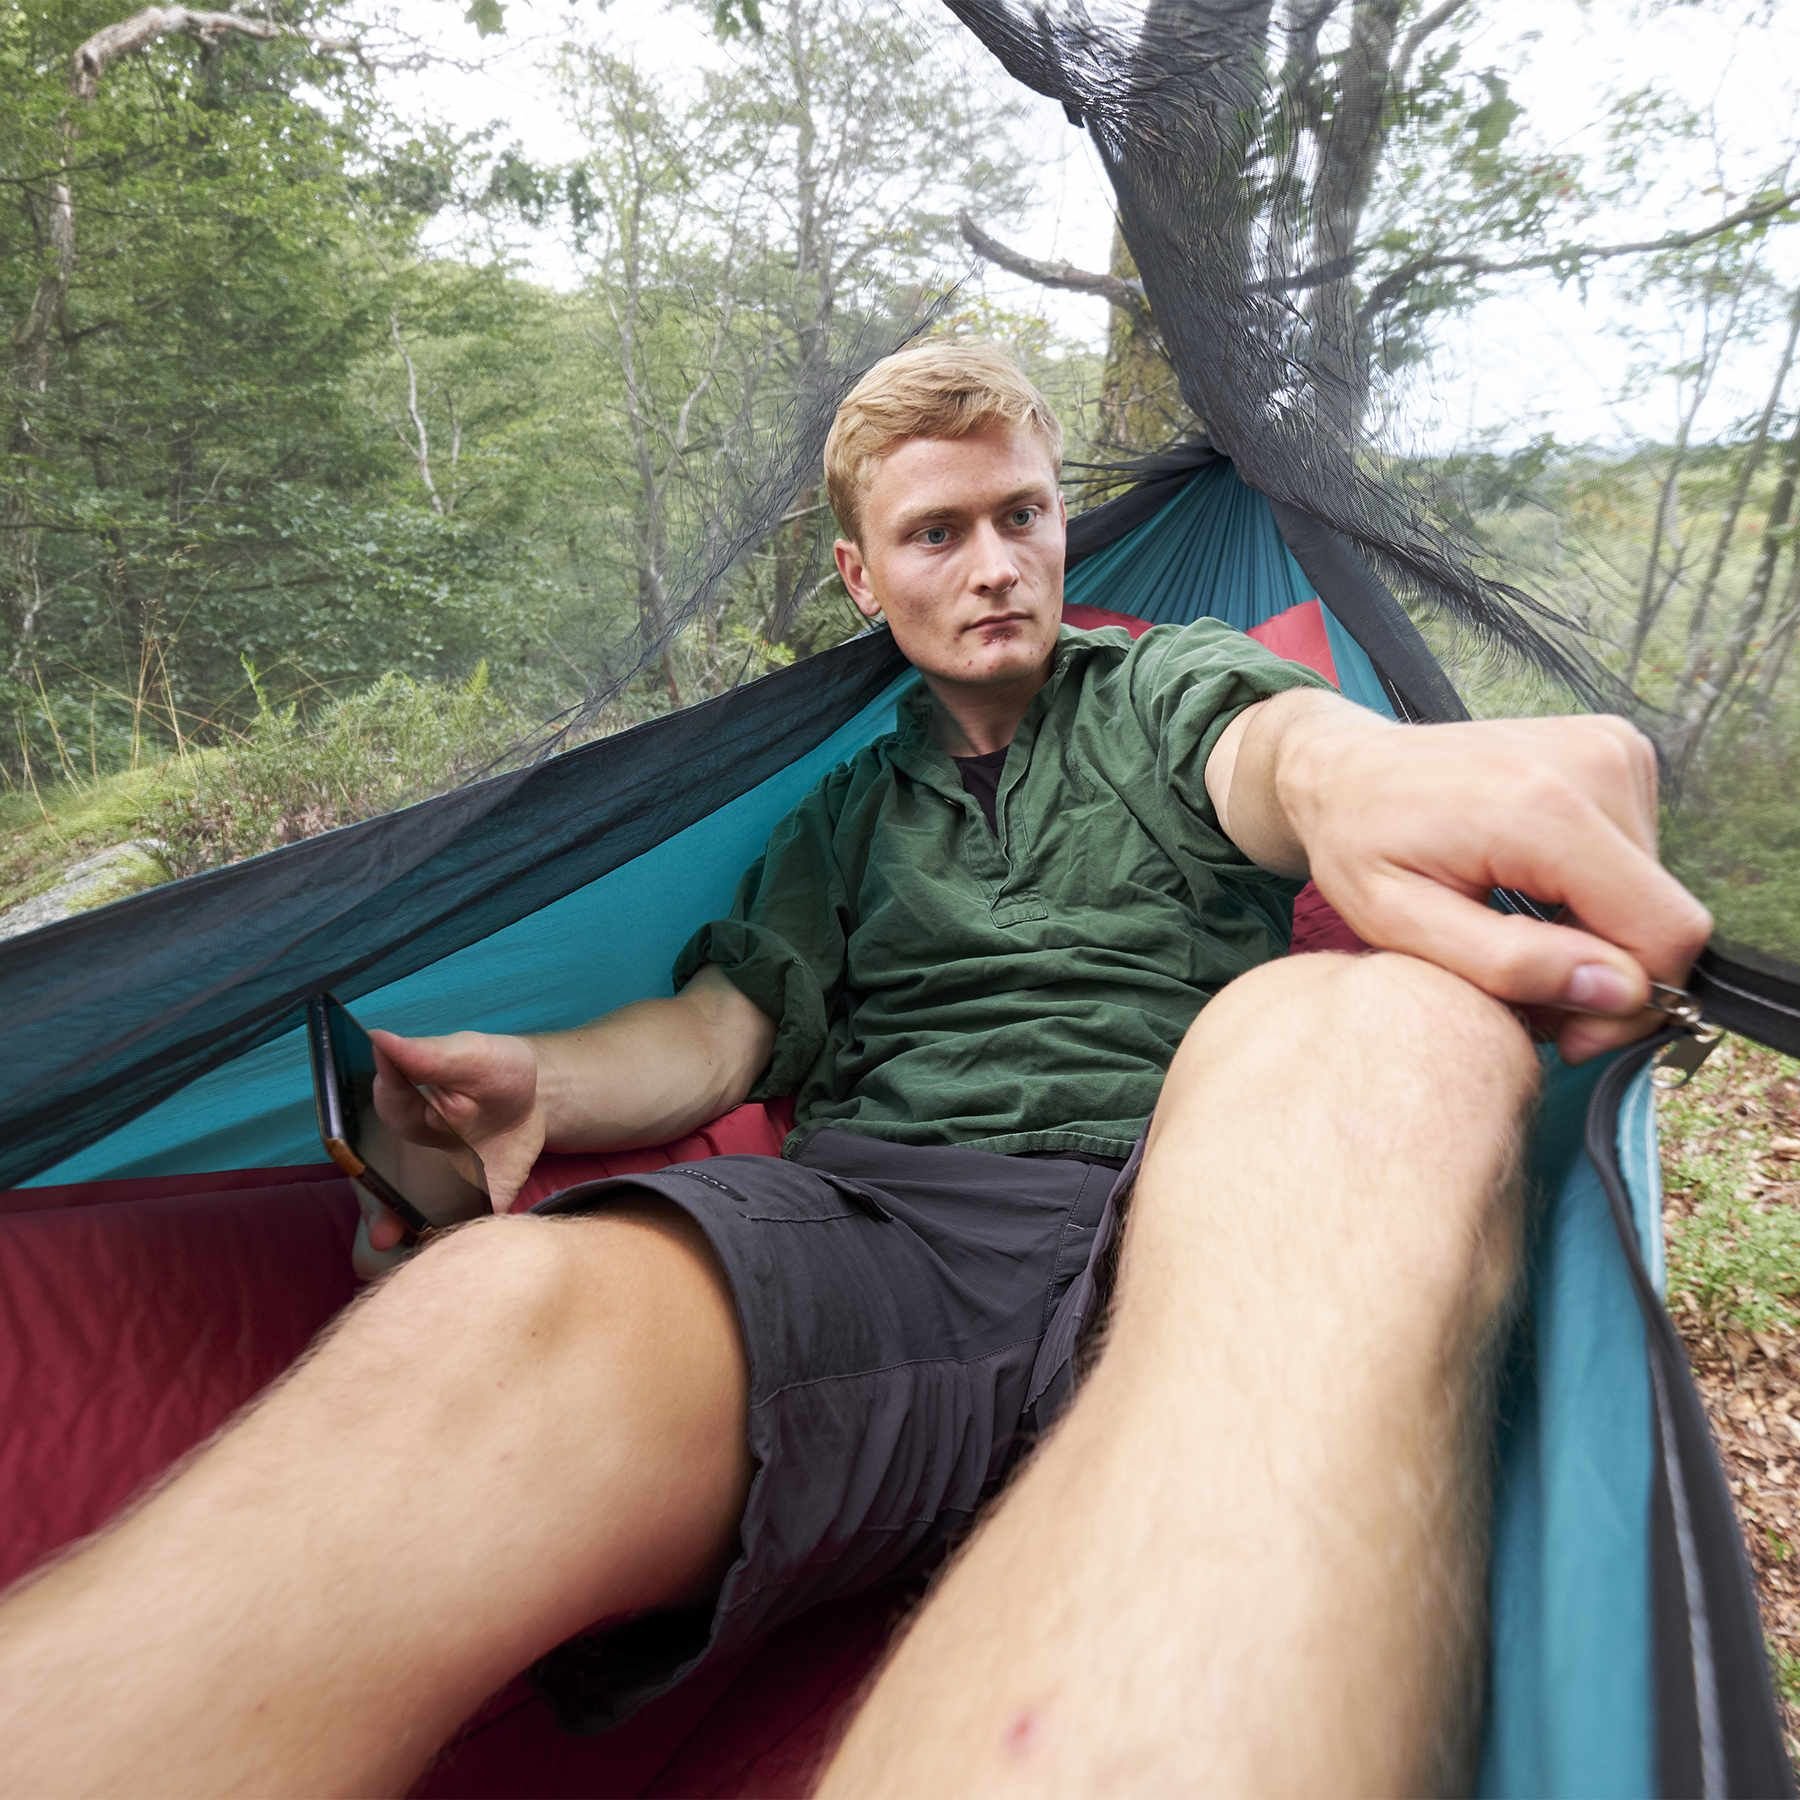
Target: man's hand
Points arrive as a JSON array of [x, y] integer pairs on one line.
[[472, 1096], [1406, 829], [470, 1113]]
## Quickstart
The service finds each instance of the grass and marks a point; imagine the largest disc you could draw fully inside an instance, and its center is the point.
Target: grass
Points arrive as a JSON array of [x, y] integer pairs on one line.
[[1733, 1220], [1735, 1259], [1787, 1675], [44, 830]]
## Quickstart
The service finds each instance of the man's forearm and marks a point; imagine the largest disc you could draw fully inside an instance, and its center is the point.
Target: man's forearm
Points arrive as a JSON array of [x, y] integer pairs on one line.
[[1261, 763], [651, 1072]]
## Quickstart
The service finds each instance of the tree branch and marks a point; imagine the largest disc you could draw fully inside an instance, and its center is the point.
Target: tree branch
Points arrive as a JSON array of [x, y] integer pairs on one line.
[[1127, 295], [1435, 20], [1389, 287], [126, 36], [419, 444]]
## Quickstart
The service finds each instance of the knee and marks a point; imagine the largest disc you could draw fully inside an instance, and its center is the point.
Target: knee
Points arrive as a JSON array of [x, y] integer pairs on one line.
[[1396, 1027], [496, 1287], [1389, 1095]]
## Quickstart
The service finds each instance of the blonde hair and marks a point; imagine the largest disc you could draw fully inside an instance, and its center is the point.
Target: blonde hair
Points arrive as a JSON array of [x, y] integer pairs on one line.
[[940, 390]]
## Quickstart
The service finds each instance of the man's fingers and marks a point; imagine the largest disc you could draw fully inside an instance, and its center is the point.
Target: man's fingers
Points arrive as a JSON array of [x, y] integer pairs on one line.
[[1581, 1038], [402, 1107], [1618, 890], [463, 1059], [1523, 961], [379, 1242], [1619, 763]]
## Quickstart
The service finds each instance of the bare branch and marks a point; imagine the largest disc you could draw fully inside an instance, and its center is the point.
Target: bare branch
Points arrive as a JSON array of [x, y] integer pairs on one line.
[[1125, 294], [1391, 285], [1435, 20], [126, 36]]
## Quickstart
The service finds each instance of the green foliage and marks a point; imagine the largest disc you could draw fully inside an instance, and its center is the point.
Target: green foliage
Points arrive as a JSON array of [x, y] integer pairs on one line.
[[731, 18], [287, 779], [1735, 837], [271, 428], [1785, 1666]]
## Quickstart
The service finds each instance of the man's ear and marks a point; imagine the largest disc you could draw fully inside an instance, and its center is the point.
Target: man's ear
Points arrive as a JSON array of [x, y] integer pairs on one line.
[[855, 574]]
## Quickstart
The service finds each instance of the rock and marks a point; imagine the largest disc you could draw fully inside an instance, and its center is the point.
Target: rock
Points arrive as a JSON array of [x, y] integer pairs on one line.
[[94, 881]]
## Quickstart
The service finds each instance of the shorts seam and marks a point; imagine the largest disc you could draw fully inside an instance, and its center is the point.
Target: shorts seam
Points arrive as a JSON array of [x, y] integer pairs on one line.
[[1062, 1239], [743, 1200], [699, 1175], [911, 1362]]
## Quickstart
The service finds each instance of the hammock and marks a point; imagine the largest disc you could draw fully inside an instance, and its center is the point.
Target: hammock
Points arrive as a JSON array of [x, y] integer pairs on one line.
[[173, 1242]]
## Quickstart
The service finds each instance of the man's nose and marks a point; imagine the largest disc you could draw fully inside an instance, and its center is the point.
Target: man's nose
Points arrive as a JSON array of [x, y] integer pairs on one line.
[[995, 569]]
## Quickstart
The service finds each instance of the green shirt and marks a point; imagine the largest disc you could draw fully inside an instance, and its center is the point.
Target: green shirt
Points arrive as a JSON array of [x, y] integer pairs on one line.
[[932, 984]]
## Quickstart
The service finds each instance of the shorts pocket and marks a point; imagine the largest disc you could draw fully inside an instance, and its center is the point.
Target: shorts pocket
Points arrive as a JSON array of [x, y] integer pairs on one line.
[[765, 1187], [861, 1194]]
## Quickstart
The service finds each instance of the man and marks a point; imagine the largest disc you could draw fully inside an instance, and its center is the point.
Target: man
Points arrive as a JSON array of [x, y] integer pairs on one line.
[[1247, 1553]]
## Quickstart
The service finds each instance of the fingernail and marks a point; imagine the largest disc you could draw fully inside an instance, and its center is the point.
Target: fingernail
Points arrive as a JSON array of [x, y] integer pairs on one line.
[[1599, 988]]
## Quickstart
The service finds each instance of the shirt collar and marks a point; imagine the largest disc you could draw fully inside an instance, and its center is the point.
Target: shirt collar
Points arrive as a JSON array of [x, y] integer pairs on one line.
[[913, 719], [918, 752]]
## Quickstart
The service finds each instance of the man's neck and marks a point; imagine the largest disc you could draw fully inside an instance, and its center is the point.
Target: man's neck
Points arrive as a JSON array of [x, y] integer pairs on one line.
[[975, 721]]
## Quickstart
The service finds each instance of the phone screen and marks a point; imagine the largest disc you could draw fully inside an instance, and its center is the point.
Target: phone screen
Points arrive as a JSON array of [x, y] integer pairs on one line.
[[343, 1063]]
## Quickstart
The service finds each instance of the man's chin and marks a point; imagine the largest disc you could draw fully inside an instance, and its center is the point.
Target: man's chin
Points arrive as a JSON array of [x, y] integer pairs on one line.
[[1009, 657], [1005, 670]]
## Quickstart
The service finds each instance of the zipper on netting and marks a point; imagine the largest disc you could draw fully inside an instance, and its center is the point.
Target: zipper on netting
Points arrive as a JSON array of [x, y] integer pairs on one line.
[[1678, 1059]]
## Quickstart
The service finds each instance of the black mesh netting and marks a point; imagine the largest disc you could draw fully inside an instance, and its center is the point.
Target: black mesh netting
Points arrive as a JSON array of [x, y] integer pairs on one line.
[[1320, 195]]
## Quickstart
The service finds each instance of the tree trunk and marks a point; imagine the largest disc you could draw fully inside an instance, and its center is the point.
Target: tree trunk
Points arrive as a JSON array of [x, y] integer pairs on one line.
[[1654, 594], [1695, 671], [1140, 401], [1780, 647], [1736, 649], [1337, 354], [815, 304]]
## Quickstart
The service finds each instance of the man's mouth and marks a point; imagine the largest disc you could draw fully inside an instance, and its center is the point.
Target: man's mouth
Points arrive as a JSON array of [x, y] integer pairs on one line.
[[1007, 618]]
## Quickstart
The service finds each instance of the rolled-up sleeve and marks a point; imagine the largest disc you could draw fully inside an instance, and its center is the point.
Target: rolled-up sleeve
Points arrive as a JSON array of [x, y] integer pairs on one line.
[[782, 945], [1186, 686]]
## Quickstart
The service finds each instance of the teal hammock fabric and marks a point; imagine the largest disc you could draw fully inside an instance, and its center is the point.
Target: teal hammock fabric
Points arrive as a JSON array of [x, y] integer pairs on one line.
[[1569, 1677]]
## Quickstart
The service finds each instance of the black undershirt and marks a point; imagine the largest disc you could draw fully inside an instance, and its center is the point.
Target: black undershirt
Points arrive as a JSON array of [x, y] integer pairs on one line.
[[981, 777]]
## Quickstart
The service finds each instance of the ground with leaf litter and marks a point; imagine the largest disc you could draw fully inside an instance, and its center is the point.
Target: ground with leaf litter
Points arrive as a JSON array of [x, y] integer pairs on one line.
[[1731, 1175]]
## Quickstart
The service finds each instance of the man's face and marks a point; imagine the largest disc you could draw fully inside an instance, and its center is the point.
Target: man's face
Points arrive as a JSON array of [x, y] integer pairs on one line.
[[962, 549]]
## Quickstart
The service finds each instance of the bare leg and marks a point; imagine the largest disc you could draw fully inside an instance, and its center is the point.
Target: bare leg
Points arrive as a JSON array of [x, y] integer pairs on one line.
[[1250, 1560], [536, 1424]]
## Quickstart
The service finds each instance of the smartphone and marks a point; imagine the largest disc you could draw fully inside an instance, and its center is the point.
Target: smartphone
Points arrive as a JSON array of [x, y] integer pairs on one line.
[[343, 1072]]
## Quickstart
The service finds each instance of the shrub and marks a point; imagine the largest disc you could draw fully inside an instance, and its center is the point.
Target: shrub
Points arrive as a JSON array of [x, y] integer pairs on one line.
[[289, 778]]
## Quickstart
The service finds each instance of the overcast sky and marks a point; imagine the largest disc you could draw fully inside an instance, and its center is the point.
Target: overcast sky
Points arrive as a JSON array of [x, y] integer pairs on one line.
[[1542, 359]]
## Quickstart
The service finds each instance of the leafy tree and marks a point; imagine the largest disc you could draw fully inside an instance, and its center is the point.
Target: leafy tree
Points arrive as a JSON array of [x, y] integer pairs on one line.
[[745, 241], [1372, 173]]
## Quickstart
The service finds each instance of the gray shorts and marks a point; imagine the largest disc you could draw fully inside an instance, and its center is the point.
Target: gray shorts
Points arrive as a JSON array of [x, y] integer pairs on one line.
[[912, 1317]]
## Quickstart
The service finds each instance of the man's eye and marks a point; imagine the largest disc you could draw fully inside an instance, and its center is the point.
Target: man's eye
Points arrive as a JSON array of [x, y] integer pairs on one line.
[[935, 535], [1024, 515]]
